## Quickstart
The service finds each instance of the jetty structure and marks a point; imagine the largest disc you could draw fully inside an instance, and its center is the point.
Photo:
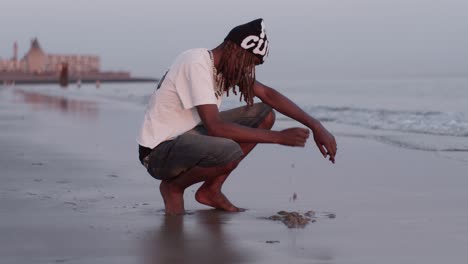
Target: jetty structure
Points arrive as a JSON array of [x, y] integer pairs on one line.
[[37, 66]]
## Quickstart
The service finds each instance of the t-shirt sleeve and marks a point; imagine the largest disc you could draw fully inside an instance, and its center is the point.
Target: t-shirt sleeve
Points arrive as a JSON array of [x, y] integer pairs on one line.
[[195, 85]]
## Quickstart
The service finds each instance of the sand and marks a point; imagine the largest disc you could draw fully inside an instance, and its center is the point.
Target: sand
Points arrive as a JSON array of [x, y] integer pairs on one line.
[[72, 191]]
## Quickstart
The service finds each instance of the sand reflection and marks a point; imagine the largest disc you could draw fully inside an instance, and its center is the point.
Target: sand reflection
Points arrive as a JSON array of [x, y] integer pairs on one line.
[[180, 240], [80, 108]]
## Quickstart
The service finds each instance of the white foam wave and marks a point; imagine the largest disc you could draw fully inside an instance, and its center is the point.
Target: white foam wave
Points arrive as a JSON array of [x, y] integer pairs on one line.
[[425, 122]]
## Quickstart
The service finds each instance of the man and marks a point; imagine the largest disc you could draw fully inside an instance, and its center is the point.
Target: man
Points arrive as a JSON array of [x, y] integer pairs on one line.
[[185, 139]]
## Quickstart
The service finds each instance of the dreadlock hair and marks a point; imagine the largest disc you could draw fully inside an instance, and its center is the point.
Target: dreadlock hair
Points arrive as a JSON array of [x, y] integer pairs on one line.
[[237, 68]]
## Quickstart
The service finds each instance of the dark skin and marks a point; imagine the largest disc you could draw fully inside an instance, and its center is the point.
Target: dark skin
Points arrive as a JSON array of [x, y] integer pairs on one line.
[[210, 192]]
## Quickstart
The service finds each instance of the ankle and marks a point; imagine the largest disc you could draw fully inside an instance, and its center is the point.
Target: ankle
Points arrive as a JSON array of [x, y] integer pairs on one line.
[[210, 189]]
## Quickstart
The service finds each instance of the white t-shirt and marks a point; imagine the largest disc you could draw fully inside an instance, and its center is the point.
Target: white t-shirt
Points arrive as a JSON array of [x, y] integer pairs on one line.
[[171, 110]]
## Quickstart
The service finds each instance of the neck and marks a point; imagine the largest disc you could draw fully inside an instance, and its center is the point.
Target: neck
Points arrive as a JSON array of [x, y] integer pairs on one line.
[[217, 53]]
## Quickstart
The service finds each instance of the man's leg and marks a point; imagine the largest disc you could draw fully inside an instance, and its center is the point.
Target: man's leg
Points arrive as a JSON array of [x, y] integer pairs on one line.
[[210, 192]]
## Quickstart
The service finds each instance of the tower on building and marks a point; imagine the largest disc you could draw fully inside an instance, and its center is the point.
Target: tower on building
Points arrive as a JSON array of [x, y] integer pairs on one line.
[[35, 58], [15, 51]]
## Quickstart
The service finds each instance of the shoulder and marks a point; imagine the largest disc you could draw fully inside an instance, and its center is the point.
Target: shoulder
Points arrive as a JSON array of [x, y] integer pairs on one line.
[[190, 61], [193, 56]]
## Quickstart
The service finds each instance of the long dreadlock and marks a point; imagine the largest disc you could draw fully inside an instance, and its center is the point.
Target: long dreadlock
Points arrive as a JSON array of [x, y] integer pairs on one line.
[[237, 68]]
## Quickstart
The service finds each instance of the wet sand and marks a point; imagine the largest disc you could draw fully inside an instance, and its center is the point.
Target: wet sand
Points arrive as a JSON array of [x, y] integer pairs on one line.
[[73, 191]]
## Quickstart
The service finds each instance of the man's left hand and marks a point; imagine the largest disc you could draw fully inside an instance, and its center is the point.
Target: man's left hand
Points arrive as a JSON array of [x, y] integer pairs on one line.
[[326, 143]]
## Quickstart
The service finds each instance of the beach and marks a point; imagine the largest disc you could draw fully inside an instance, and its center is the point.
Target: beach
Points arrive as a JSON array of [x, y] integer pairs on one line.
[[73, 191]]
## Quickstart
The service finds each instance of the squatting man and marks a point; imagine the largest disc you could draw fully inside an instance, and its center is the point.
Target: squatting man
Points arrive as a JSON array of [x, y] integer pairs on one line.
[[185, 139]]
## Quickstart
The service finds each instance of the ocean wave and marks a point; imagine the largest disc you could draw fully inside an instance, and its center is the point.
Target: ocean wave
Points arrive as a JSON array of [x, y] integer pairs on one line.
[[424, 122], [409, 143]]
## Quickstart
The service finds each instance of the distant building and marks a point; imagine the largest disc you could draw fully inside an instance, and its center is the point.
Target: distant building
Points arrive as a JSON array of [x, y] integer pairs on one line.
[[38, 66], [37, 61]]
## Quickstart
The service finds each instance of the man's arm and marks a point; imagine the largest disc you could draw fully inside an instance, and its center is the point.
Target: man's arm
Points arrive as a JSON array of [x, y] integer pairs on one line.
[[324, 140], [209, 115]]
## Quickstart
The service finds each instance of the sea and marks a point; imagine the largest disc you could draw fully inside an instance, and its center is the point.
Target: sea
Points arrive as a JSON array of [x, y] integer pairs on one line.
[[424, 114]]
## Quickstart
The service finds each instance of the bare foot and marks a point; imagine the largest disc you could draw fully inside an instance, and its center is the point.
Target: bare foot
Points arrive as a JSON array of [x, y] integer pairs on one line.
[[173, 198], [215, 199]]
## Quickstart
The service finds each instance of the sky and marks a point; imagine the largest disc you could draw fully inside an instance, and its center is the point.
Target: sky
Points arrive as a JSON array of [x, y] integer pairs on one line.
[[317, 39]]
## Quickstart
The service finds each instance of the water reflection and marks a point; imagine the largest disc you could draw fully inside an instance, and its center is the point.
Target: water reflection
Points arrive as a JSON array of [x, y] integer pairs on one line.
[[180, 240], [80, 108]]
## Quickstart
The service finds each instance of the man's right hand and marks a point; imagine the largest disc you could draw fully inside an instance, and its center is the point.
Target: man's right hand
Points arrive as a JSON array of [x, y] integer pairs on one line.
[[294, 137]]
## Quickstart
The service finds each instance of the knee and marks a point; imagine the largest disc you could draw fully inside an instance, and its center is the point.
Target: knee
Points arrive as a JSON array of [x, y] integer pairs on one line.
[[269, 120], [230, 166]]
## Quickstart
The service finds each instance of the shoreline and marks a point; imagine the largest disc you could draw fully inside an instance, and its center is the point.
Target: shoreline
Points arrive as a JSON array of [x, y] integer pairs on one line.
[[102, 77], [83, 81]]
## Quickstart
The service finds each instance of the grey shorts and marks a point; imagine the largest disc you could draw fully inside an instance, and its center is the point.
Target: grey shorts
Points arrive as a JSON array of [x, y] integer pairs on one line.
[[195, 148]]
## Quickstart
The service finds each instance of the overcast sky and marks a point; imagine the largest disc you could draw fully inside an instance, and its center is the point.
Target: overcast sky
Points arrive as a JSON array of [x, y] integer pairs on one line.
[[309, 39]]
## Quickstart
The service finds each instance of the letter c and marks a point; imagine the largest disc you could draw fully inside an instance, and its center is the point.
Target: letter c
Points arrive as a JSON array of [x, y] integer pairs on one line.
[[249, 42]]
